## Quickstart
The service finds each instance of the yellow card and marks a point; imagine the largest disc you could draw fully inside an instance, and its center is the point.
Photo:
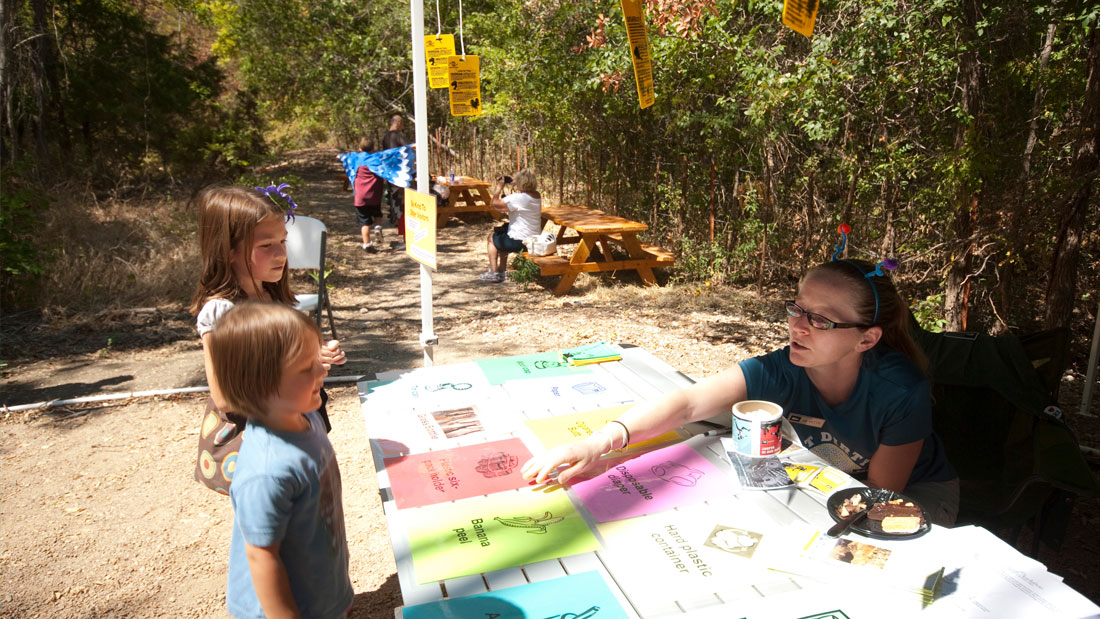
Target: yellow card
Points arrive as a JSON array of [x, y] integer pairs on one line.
[[561, 429], [800, 15], [639, 50], [438, 48], [829, 479], [420, 227], [800, 473], [464, 77]]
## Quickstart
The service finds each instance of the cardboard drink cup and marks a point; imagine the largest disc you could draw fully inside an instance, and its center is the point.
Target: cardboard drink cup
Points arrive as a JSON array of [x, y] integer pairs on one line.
[[757, 428]]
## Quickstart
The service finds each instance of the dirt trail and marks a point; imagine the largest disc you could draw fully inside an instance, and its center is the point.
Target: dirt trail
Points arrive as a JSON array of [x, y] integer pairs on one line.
[[99, 515]]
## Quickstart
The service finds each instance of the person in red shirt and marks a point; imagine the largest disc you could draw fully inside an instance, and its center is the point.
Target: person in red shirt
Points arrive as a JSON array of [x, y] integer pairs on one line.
[[368, 200]]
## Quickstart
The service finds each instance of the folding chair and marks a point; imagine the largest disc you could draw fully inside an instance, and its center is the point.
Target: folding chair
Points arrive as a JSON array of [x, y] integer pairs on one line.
[[305, 249], [994, 407]]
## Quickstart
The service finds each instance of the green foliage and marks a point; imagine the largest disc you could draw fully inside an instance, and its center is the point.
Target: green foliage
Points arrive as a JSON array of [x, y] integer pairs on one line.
[[524, 271], [22, 259], [929, 313]]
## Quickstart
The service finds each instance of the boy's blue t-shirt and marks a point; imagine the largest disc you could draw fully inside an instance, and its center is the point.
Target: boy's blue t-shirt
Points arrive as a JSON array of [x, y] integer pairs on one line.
[[286, 489], [891, 405]]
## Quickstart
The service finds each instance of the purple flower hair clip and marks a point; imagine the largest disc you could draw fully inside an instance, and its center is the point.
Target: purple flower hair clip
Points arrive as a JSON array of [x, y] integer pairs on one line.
[[889, 264], [271, 191]]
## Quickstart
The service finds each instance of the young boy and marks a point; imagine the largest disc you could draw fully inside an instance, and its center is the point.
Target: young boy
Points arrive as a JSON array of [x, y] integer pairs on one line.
[[368, 201], [289, 554]]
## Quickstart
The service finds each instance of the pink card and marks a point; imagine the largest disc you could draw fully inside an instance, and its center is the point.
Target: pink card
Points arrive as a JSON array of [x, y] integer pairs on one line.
[[452, 474], [652, 482]]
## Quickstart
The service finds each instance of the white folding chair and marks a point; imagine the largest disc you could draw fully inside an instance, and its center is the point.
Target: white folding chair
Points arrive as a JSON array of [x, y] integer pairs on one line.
[[305, 249]]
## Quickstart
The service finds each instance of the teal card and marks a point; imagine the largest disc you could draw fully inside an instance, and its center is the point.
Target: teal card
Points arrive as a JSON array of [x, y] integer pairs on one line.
[[577, 595], [538, 365]]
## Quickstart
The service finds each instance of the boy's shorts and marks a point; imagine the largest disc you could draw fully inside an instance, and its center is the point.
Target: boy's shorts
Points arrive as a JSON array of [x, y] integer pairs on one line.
[[366, 214], [505, 243]]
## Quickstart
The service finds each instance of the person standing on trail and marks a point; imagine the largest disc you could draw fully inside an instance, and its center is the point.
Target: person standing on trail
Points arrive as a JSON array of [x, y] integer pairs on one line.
[[367, 200], [394, 138], [242, 242]]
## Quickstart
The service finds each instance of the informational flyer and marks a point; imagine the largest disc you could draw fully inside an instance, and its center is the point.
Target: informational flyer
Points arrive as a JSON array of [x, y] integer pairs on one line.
[[489, 533], [461, 384], [659, 480], [538, 365], [459, 473], [577, 596], [694, 553]]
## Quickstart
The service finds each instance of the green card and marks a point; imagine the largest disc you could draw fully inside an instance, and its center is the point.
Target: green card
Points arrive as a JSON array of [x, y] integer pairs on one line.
[[539, 365], [506, 529]]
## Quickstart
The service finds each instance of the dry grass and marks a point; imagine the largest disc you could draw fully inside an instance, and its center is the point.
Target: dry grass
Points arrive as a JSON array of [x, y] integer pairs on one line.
[[114, 254]]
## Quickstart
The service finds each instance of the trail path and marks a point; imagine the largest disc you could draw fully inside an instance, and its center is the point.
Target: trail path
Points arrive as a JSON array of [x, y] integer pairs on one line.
[[99, 514]]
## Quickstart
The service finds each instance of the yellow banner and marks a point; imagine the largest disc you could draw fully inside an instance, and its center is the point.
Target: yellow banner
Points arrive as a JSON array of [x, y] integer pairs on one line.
[[420, 227], [464, 76], [639, 50], [800, 16], [438, 48]]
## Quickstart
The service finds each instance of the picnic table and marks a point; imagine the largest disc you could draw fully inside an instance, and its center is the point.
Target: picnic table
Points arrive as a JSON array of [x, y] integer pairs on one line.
[[467, 195], [596, 233], [441, 436]]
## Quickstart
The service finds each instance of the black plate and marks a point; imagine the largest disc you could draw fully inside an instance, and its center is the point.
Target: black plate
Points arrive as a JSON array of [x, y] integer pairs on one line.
[[873, 528]]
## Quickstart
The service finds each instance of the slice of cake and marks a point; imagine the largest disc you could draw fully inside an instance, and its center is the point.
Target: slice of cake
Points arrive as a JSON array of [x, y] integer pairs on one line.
[[897, 516]]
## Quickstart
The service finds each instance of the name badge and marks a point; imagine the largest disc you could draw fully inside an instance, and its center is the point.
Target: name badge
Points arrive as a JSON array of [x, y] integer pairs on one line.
[[816, 422]]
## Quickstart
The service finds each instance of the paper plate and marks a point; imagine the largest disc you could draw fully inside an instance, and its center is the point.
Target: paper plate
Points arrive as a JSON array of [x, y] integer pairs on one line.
[[873, 528]]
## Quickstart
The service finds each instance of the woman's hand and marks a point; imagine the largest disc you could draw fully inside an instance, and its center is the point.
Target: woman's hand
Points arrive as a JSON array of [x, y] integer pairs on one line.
[[332, 355], [578, 456]]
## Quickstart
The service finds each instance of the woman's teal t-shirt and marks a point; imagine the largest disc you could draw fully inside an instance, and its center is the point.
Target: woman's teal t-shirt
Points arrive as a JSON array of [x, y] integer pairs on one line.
[[890, 405]]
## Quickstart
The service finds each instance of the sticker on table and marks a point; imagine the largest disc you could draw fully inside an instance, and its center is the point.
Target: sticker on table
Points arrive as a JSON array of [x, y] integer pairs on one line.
[[539, 365], [464, 75], [489, 533], [656, 481], [577, 596], [561, 429], [459, 473], [438, 48]]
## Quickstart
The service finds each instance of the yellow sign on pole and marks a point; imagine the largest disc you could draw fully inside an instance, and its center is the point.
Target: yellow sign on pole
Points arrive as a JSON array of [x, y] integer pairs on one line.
[[438, 48], [464, 77], [800, 16], [420, 218], [639, 50]]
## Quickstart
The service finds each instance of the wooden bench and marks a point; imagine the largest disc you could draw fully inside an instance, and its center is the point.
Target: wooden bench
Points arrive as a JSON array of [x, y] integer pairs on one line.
[[595, 231]]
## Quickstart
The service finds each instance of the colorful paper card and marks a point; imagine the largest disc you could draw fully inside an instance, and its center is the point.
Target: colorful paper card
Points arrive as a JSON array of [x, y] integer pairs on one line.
[[655, 481], [561, 429], [564, 393], [401, 431], [461, 384], [574, 596], [489, 533], [459, 473], [538, 365]]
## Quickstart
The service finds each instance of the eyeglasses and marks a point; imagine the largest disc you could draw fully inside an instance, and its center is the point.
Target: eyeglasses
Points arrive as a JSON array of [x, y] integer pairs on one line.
[[817, 321]]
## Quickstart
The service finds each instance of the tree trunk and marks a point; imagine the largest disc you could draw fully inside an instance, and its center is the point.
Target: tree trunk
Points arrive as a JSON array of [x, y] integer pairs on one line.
[[808, 228], [967, 140], [1062, 286], [8, 77], [1007, 288]]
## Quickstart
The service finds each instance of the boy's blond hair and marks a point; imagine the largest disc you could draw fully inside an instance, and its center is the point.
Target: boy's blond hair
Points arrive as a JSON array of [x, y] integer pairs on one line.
[[526, 181], [250, 348]]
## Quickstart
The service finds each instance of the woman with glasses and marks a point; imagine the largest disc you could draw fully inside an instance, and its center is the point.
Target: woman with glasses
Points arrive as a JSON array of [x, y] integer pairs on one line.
[[851, 381]]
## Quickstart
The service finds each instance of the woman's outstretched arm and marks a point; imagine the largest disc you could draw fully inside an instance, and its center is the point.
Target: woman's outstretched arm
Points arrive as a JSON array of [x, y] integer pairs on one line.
[[643, 421]]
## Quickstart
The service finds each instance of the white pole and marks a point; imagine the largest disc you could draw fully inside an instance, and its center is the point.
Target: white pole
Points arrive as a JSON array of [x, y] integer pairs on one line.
[[428, 338], [1090, 376]]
